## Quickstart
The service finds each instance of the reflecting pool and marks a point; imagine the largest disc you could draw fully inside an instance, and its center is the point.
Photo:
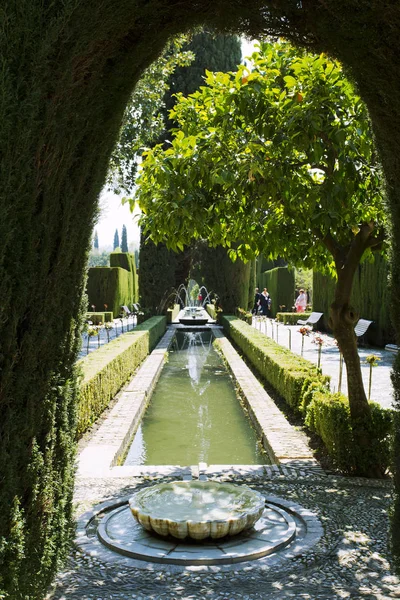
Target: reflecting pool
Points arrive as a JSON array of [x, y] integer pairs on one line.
[[194, 414]]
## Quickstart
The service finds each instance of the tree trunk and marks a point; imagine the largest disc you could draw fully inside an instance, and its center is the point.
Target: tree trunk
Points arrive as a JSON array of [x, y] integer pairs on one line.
[[343, 318]]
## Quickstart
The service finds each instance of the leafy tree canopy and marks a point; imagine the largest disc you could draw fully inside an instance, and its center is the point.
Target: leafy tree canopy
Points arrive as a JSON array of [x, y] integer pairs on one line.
[[280, 158], [143, 121]]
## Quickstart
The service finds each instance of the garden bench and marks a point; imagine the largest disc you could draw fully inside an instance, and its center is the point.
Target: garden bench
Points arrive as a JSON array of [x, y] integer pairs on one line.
[[312, 319], [361, 327]]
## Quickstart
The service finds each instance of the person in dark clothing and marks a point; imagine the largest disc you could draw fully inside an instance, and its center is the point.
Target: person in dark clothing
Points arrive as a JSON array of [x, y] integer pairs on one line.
[[256, 301], [264, 297]]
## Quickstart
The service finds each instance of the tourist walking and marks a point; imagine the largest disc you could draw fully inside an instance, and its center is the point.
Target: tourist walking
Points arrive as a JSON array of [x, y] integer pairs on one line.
[[301, 302], [264, 299], [256, 301]]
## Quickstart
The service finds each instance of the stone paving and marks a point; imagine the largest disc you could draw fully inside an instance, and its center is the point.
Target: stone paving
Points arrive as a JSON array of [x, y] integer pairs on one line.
[[381, 389], [350, 558]]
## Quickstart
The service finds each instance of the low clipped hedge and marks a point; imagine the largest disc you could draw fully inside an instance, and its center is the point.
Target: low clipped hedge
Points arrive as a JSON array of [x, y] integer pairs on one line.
[[303, 387], [98, 318], [244, 315], [287, 372], [291, 318], [329, 416], [105, 371]]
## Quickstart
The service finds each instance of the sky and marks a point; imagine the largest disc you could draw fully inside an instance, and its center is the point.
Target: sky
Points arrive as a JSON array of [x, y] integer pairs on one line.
[[113, 215]]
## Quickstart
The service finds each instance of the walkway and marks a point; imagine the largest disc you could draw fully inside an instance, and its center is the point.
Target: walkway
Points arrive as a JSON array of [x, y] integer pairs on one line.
[[119, 326], [381, 389], [350, 559]]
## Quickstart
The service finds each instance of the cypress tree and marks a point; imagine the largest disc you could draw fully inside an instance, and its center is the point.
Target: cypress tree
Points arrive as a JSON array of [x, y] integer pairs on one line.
[[116, 240], [213, 52], [57, 130], [124, 239], [96, 240]]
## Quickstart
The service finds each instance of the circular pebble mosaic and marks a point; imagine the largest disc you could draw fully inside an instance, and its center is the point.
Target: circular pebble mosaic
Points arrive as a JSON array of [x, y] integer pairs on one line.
[[111, 533]]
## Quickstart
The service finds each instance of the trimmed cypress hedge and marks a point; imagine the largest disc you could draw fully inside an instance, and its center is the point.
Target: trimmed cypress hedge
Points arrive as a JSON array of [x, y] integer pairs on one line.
[[111, 286], [370, 297], [156, 276], [126, 261], [280, 285], [105, 371], [288, 373], [173, 312], [220, 275]]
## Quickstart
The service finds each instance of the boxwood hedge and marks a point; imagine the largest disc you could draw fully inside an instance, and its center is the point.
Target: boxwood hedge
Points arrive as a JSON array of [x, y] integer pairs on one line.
[[105, 371], [303, 387]]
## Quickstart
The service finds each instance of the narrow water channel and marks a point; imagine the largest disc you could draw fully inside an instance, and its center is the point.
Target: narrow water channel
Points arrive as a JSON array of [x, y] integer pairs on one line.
[[194, 414]]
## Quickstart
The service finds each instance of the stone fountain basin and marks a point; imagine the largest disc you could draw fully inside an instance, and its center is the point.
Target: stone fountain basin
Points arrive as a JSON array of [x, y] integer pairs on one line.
[[197, 509]]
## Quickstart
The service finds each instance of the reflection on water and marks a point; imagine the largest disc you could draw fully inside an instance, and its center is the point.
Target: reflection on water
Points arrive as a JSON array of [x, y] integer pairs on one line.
[[194, 415]]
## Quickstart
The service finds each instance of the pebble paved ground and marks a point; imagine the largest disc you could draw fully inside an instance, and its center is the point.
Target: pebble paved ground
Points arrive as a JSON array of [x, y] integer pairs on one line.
[[381, 389], [350, 561]]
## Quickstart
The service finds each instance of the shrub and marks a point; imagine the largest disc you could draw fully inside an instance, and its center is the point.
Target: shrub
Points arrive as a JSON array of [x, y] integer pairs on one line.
[[109, 285], [244, 315], [370, 296], [105, 371], [303, 387], [172, 313], [99, 317], [291, 318], [288, 373], [329, 416]]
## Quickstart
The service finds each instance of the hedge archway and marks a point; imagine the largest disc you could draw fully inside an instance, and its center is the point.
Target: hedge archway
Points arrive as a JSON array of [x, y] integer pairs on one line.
[[67, 70]]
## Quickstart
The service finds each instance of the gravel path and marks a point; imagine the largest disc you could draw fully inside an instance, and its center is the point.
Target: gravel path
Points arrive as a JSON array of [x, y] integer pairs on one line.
[[350, 561]]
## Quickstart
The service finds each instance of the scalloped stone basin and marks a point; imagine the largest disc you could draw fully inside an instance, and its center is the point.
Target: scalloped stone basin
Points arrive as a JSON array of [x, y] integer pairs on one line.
[[197, 509]]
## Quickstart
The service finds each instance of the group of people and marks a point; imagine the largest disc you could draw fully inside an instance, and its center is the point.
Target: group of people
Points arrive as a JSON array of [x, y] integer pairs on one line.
[[262, 303]]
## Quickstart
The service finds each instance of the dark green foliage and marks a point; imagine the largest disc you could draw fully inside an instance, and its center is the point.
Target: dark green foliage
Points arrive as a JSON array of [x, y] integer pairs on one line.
[[329, 416], [228, 280], [213, 52], [265, 264], [305, 390], [105, 371], [252, 283], [111, 286], [289, 318], [126, 261], [280, 285], [285, 371], [96, 240], [156, 277], [116, 240], [67, 71], [370, 298], [124, 239], [98, 318]]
